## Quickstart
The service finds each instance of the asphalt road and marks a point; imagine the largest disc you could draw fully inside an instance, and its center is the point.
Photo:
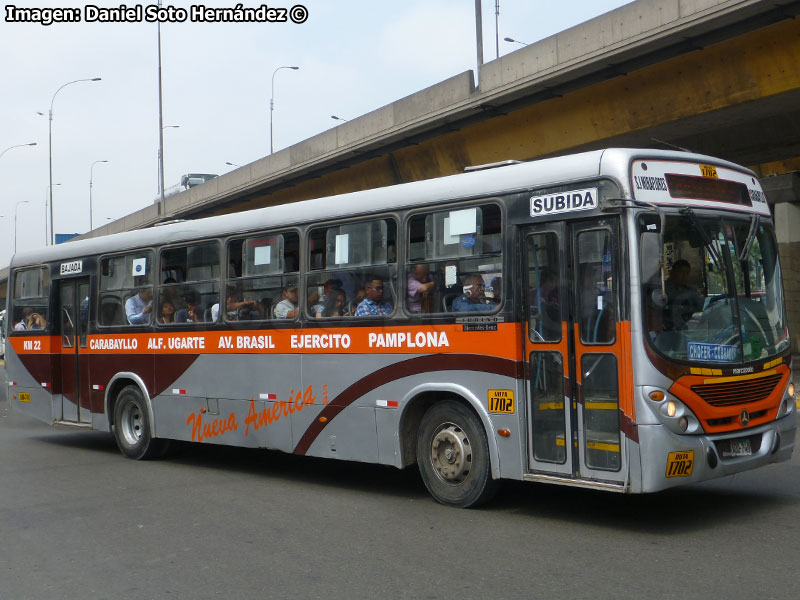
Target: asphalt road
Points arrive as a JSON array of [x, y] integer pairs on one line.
[[79, 521]]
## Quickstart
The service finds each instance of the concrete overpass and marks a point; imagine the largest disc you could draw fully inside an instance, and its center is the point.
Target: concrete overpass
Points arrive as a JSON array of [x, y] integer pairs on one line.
[[714, 76]]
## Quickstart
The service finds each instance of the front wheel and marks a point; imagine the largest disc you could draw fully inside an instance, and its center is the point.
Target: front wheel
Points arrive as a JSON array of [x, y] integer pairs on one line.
[[453, 456], [132, 426]]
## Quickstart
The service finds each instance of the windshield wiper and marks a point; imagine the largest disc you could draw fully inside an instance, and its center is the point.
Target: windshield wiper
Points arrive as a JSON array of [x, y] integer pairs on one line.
[[689, 214], [755, 222]]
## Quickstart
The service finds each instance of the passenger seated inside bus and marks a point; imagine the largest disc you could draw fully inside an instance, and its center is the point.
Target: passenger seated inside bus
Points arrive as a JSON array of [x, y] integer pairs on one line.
[[419, 288], [138, 307], [473, 297], [335, 305], [193, 312], [36, 321], [373, 304], [22, 323], [167, 312], [316, 302], [237, 308], [287, 307]]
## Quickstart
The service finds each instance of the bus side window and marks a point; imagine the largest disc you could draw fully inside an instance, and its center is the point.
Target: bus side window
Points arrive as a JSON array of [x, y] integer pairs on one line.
[[352, 270], [30, 301], [267, 270], [123, 277], [195, 290], [455, 261]]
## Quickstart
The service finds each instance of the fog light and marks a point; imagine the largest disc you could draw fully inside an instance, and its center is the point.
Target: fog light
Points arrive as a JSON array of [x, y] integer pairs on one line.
[[683, 423], [672, 408]]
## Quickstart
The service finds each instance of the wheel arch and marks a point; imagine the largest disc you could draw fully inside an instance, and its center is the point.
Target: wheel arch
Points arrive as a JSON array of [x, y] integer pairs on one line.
[[416, 403], [116, 385]]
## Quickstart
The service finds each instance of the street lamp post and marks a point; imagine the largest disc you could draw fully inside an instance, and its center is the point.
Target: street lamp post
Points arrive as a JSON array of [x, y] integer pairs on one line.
[[163, 207], [335, 118], [50, 136], [46, 196], [91, 169], [17, 146], [15, 222], [227, 162], [272, 102], [513, 41]]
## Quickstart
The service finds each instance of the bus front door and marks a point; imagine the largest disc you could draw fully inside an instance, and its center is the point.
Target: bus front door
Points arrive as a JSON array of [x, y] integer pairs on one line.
[[572, 349], [73, 295]]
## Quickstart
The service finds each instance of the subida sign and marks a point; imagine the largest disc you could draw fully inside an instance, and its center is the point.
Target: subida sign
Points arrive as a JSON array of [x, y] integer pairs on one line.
[[563, 202]]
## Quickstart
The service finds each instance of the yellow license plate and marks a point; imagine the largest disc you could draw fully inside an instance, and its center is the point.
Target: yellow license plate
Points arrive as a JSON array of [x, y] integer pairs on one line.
[[679, 464], [709, 171], [24, 397], [501, 401]]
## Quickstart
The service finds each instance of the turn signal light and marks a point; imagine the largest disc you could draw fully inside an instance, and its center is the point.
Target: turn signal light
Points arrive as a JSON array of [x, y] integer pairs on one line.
[[657, 396], [504, 432], [323, 419]]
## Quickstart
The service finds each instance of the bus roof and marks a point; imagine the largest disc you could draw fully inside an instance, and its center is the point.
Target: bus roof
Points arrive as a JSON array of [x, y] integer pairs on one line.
[[613, 163]]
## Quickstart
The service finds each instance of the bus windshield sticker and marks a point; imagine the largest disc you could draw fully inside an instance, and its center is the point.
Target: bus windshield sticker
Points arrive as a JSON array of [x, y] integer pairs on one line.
[[564, 202], [463, 222], [72, 268], [139, 267], [713, 352], [450, 275], [342, 249], [263, 255]]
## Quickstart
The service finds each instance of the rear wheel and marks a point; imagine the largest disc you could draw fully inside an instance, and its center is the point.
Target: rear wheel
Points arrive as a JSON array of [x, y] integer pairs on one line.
[[132, 426], [453, 456]]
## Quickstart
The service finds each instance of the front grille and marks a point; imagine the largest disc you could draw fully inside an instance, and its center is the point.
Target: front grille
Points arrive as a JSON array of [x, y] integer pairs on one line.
[[737, 392]]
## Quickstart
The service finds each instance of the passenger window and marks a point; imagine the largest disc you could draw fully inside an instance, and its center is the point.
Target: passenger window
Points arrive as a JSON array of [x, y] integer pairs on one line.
[[126, 289], [30, 301], [352, 270], [189, 284], [455, 261], [262, 278]]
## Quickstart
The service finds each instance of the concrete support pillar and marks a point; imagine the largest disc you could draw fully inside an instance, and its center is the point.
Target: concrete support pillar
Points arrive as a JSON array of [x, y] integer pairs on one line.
[[787, 230]]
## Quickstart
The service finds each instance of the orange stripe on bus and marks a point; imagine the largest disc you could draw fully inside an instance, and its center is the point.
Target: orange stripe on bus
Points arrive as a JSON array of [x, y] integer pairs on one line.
[[505, 342]]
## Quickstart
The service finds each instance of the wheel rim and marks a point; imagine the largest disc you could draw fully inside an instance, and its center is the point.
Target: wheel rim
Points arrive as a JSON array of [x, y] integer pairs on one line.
[[132, 424], [451, 454]]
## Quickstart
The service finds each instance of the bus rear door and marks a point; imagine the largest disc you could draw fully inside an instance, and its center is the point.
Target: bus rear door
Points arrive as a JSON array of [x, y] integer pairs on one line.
[[73, 317]]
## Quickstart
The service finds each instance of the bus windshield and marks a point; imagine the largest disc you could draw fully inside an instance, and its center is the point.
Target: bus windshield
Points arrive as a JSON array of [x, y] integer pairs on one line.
[[721, 299]]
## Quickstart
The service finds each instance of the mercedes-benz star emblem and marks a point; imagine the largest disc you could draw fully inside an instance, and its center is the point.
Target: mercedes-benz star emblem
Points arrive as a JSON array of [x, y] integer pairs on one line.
[[744, 418]]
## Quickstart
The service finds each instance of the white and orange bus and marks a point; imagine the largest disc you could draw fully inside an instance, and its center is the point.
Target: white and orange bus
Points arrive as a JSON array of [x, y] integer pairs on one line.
[[613, 319]]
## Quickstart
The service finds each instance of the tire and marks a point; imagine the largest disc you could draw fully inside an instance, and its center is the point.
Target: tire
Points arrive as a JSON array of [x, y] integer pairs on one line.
[[132, 427], [453, 456]]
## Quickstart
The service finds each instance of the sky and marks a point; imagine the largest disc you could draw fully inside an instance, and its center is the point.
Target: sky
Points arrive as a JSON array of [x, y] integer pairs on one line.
[[354, 56]]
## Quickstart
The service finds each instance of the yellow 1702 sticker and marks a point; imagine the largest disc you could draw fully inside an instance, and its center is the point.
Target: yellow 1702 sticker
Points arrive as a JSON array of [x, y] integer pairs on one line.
[[709, 171], [501, 401], [679, 464]]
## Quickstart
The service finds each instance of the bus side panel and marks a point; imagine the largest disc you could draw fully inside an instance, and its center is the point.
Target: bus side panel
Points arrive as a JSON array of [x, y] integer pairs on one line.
[[21, 381], [247, 396]]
